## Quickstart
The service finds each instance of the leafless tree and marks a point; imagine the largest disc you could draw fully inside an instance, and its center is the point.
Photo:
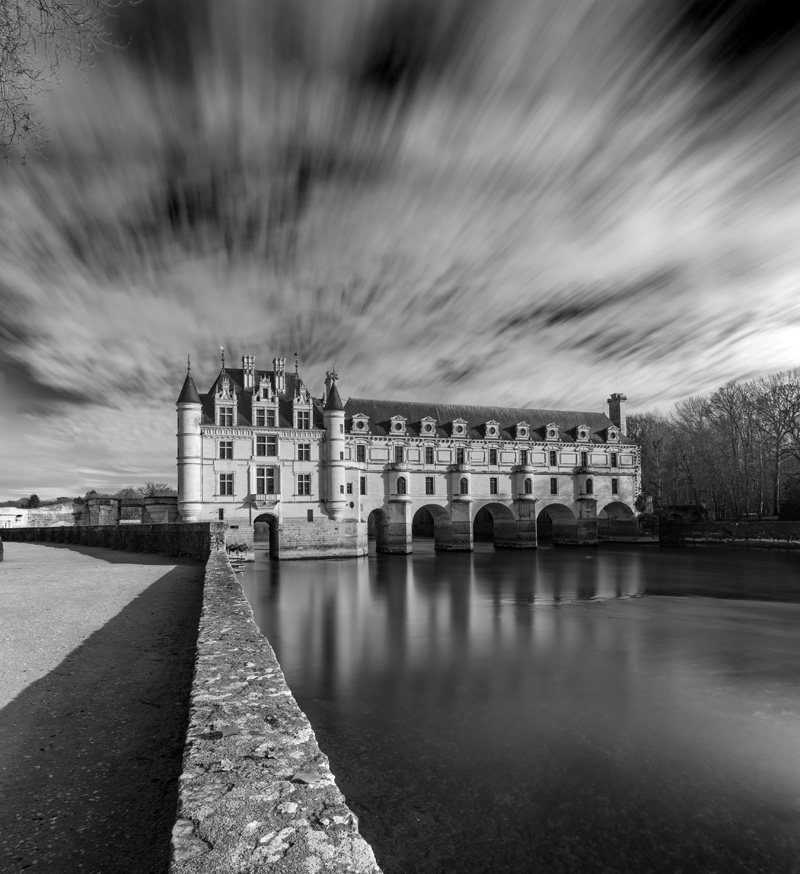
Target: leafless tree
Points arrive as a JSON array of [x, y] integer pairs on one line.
[[36, 38]]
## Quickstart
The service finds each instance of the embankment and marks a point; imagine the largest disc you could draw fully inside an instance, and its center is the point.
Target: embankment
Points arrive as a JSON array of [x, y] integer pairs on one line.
[[753, 534], [256, 789]]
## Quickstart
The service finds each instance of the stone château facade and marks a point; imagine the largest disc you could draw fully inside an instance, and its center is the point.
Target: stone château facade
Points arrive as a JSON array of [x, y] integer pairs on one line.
[[260, 452]]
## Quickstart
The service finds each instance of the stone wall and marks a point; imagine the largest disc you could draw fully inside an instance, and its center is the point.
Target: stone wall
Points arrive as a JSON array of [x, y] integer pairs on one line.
[[752, 533], [192, 540], [256, 791], [54, 514], [322, 538]]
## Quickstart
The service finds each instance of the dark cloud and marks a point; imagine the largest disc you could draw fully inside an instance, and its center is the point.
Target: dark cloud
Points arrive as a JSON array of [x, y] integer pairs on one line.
[[740, 33]]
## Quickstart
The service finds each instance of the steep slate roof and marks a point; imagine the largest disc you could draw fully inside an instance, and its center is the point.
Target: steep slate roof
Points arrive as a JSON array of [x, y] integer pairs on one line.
[[244, 410], [188, 393], [380, 413]]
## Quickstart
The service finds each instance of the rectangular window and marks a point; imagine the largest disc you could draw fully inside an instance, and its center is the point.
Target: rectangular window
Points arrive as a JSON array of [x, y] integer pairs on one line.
[[523, 457], [363, 485], [349, 488], [270, 418], [492, 456], [266, 445], [584, 459], [304, 452], [614, 486], [261, 418], [226, 416], [303, 419], [459, 456], [492, 485], [226, 448], [553, 458], [304, 484], [613, 459], [361, 452], [398, 454], [429, 456], [226, 483], [265, 481], [429, 485], [553, 485]]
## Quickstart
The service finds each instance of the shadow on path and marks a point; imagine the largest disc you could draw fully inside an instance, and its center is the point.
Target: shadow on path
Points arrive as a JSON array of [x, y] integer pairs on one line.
[[90, 754]]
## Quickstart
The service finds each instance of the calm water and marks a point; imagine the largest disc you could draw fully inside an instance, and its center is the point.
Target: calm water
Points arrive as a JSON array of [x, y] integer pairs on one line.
[[609, 710]]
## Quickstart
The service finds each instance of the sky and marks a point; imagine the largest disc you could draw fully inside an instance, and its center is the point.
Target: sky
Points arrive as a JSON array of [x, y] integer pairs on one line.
[[523, 202]]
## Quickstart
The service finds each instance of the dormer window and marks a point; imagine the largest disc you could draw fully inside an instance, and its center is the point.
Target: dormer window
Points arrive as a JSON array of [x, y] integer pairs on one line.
[[398, 425], [551, 431], [492, 429], [522, 431], [360, 424], [582, 432], [612, 435], [225, 416], [458, 427], [427, 426]]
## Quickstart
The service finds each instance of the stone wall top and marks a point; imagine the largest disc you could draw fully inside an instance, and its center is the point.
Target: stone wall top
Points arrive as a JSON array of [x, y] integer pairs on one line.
[[256, 792]]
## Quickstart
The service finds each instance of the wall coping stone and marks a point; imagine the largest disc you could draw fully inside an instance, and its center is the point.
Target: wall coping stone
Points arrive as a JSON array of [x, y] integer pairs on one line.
[[256, 792]]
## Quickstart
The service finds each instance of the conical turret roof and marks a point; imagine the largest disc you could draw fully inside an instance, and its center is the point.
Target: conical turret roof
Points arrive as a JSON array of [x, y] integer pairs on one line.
[[188, 393], [334, 402]]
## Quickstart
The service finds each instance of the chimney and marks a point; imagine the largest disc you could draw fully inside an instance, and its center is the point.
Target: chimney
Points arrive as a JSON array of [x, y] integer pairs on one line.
[[279, 371], [616, 411], [248, 371]]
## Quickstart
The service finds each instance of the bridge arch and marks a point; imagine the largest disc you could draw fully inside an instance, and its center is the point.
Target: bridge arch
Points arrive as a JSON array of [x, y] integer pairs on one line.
[[433, 520], [616, 520], [378, 529], [499, 523], [556, 522], [265, 530]]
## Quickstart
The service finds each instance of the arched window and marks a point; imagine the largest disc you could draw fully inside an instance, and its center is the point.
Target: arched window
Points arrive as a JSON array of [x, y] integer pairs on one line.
[[589, 487], [464, 486], [528, 486], [401, 485]]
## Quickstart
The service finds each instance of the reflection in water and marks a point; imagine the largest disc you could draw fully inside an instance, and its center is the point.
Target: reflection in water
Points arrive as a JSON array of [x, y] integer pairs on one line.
[[531, 711]]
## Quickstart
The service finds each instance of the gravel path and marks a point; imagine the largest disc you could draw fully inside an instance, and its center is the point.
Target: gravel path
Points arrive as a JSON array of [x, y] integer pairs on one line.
[[96, 657]]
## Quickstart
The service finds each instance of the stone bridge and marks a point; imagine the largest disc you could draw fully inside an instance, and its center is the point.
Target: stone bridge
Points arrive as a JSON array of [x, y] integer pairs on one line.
[[455, 523]]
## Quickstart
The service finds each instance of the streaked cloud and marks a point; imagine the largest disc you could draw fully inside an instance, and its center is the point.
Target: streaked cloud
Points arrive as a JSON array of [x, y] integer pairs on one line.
[[527, 203]]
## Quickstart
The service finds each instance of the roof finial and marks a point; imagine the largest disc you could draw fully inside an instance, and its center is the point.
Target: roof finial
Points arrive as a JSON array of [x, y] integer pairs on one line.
[[222, 354], [296, 369], [188, 363]]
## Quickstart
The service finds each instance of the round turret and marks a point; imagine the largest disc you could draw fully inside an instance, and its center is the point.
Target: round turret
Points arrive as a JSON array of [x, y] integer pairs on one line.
[[334, 442], [190, 461]]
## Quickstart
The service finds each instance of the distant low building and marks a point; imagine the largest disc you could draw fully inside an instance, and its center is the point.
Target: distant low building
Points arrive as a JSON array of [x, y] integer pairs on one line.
[[318, 474], [13, 517]]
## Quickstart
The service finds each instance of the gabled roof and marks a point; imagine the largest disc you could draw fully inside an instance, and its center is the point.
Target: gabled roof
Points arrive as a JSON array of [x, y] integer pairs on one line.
[[381, 412], [188, 393], [243, 398]]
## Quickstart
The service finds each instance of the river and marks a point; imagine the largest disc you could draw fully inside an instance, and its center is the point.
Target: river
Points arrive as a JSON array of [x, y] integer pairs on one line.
[[620, 709]]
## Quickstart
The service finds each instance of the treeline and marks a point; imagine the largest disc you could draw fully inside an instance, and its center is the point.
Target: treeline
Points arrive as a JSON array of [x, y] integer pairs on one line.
[[148, 490], [735, 452]]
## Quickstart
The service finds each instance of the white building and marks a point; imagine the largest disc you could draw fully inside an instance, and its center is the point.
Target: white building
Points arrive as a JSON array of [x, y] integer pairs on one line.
[[318, 474]]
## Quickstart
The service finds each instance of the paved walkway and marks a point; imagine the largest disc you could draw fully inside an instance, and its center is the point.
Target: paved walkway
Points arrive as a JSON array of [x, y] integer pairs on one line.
[[96, 658]]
